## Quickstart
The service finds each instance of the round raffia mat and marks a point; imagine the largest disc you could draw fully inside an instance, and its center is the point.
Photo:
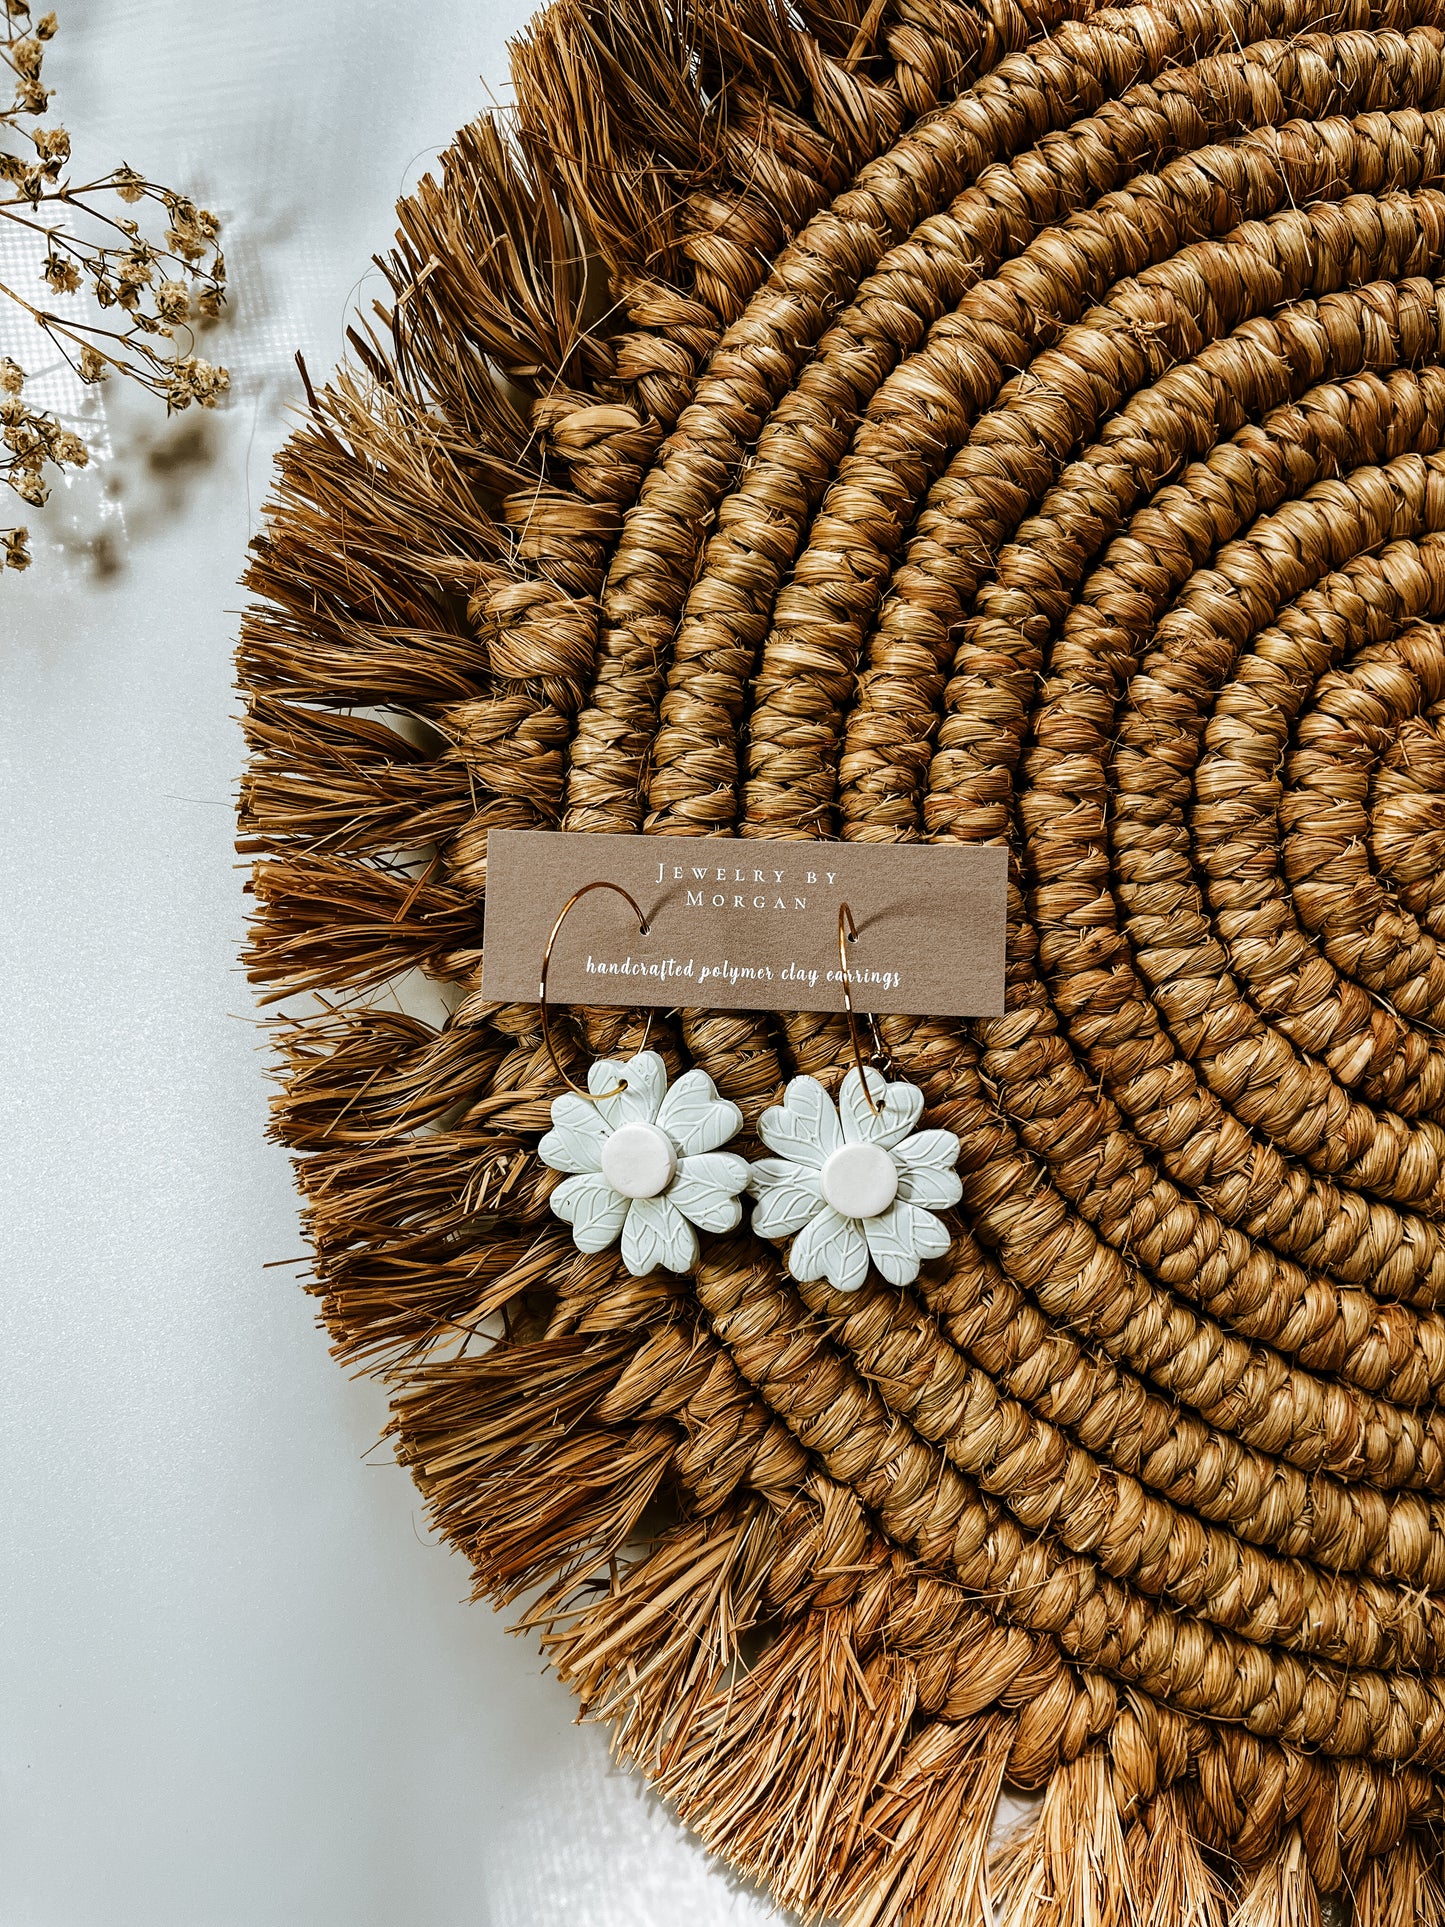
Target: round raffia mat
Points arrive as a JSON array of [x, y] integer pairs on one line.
[[952, 422]]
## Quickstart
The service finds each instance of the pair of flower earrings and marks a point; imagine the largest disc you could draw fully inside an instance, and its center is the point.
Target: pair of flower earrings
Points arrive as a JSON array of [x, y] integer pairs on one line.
[[850, 1182]]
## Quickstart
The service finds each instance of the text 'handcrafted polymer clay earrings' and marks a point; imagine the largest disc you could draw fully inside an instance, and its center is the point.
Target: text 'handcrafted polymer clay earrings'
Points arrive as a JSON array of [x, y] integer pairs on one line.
[[644, 1158], [854, 1181]]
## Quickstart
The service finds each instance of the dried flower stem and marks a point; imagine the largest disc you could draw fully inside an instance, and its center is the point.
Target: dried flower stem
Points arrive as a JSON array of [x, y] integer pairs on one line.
[[157, 286]]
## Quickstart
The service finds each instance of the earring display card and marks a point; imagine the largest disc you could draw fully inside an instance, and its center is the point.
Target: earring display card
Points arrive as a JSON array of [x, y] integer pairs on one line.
[[747, 925]]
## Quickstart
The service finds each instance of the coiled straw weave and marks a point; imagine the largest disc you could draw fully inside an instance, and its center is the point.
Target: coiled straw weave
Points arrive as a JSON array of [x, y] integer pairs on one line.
[[963, 421]]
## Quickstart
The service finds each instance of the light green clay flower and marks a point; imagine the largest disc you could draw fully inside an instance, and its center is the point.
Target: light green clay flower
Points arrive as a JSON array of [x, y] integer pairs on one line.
[[853, 1185], [645, 1164]]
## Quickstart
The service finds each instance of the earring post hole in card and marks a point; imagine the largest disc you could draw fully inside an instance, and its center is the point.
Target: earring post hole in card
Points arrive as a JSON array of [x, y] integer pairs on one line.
[[751, 924]]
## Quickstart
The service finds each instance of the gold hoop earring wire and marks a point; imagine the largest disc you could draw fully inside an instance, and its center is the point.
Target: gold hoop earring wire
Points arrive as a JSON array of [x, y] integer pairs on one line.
[[848, 933], [593, 1097]]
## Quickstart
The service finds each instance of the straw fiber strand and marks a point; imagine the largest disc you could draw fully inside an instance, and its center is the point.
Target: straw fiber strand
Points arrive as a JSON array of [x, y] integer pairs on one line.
[[927, 420]]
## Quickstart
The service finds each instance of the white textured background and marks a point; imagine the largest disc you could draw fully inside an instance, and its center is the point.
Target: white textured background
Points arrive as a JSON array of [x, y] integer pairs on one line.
[[239, 1685]]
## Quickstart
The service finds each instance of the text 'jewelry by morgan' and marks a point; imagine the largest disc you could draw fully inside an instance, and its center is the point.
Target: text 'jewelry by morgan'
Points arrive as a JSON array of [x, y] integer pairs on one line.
[[644, 1160], [854, 1181]]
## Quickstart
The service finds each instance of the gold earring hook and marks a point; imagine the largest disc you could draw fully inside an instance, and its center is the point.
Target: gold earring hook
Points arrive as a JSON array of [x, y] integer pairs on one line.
[[848, 933], [593, 1097]]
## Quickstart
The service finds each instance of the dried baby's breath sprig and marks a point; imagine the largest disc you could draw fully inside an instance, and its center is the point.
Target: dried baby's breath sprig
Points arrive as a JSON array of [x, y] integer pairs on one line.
[[31, 440], [146, 291]]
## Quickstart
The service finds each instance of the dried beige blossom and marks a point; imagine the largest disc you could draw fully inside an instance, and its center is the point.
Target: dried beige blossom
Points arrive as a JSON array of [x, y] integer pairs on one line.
[[31, 441], [161, 286], [197, 381], [63, 275], [173, 300]]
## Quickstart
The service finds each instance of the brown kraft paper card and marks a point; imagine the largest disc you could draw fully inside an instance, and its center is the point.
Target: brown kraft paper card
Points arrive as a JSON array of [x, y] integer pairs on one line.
[[743, 924]]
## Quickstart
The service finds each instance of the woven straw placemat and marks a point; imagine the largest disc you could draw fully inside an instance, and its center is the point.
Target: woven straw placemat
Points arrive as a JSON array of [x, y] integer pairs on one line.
[[985, 422]]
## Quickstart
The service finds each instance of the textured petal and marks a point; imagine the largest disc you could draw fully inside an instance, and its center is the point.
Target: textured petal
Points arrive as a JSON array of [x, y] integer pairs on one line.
[[832, 1247], [695, 1117], [931, 1236], [890, 1244], [926, 1184], [646, 1079], [804, 1126], [593, 1209], [899, 1106], [938, 1149], [764, 1173], [901, 1237], [575, 1140], [787, 1194], [657, 1236], [706, 1190], [925, 1169]]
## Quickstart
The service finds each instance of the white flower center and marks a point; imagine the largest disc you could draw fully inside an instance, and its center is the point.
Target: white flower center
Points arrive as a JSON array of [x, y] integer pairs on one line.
[[860, 1180], [638, 1160]]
